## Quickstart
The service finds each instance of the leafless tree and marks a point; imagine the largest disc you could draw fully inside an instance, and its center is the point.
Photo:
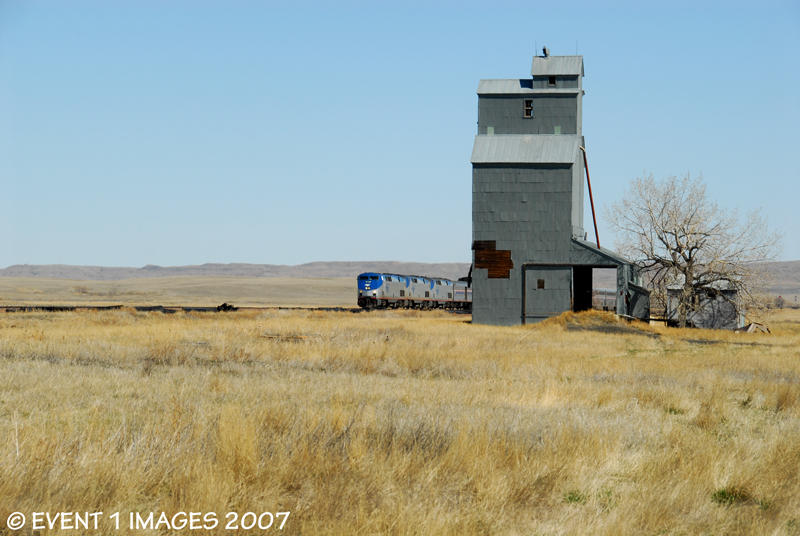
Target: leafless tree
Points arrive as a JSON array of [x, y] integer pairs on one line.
[[678, 236]]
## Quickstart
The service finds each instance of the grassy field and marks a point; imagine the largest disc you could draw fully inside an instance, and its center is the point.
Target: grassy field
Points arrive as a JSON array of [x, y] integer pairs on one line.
[[402, 422], [181, 290]]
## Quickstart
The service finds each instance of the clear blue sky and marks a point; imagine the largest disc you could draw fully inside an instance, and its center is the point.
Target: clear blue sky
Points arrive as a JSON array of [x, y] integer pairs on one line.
[[186, 132]]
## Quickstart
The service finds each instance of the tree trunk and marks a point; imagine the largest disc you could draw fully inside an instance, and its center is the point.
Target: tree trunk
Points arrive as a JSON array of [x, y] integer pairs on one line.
[[687, 295]]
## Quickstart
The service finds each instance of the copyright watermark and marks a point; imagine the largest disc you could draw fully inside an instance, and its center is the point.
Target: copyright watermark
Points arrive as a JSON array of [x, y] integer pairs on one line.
[[177, 521], [16, 521]]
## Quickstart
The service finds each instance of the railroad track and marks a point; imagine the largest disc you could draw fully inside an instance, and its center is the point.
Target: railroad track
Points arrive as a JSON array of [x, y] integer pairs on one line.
[[167, 309]]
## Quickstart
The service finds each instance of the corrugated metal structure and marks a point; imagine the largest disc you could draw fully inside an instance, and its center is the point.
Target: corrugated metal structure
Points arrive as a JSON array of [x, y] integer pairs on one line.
[[530, 259], [516, 148], [556, 65], [717, 308]]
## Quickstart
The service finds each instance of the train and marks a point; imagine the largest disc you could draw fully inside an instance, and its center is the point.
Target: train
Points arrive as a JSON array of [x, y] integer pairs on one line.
[[385, 291]]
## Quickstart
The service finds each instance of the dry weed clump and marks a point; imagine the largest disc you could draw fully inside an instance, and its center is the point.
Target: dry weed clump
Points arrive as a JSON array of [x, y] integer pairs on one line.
[[402, 423]]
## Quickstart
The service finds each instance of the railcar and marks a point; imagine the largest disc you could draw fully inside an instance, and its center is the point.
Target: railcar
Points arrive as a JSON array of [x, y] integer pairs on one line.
[[383, 290]]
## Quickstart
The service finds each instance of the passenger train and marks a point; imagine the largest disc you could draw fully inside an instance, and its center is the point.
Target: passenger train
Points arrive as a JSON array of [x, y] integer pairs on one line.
[[381, 291]]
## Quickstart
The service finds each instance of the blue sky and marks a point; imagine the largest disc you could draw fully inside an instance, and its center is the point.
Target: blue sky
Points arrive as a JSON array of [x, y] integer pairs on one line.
[[177, 133]]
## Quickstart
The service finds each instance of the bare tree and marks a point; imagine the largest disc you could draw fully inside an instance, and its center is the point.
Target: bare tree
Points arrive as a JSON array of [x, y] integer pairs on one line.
[[678, 236]]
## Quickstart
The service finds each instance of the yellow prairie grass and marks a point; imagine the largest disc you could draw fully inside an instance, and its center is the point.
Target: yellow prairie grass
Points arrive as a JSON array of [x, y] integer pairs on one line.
[[402, 422]]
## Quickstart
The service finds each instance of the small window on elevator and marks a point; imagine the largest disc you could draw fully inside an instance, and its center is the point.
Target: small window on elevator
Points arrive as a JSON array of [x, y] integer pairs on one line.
[[551, 80], [527, 108], [540, 283]]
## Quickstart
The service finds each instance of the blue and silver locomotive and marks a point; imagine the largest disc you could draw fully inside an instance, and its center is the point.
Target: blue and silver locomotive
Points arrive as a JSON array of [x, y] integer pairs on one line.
[[380, 291]]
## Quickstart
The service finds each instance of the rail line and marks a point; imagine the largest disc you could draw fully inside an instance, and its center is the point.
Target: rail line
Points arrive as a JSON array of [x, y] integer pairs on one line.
[[166, 309]]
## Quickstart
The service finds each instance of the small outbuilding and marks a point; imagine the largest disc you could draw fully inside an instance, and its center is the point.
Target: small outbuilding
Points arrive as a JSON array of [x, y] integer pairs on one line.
[[716, 308]]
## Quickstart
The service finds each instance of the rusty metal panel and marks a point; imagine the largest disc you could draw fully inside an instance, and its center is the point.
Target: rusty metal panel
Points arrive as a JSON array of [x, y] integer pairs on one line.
[[497, 262]]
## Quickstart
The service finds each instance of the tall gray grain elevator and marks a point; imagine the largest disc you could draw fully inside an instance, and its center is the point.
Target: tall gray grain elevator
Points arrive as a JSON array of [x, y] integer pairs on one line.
[[530, 258]]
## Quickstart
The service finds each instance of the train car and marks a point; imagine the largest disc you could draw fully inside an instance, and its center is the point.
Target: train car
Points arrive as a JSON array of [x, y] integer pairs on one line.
[[383, 290], [462, 293]]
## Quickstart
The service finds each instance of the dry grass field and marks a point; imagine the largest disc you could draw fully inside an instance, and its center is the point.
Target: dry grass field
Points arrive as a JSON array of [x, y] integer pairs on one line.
[[402, 422], [181, 290]]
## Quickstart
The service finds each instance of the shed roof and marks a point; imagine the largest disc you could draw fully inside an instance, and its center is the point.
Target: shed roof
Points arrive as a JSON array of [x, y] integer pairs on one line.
[[602, 252], [721, 285], [513, 86], [505, 86], [525, 149], [553, 65]]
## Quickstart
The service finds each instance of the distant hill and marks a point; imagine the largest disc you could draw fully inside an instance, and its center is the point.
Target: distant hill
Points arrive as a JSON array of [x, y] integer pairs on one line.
[[784, 276], [782, 279], [451, 270]]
